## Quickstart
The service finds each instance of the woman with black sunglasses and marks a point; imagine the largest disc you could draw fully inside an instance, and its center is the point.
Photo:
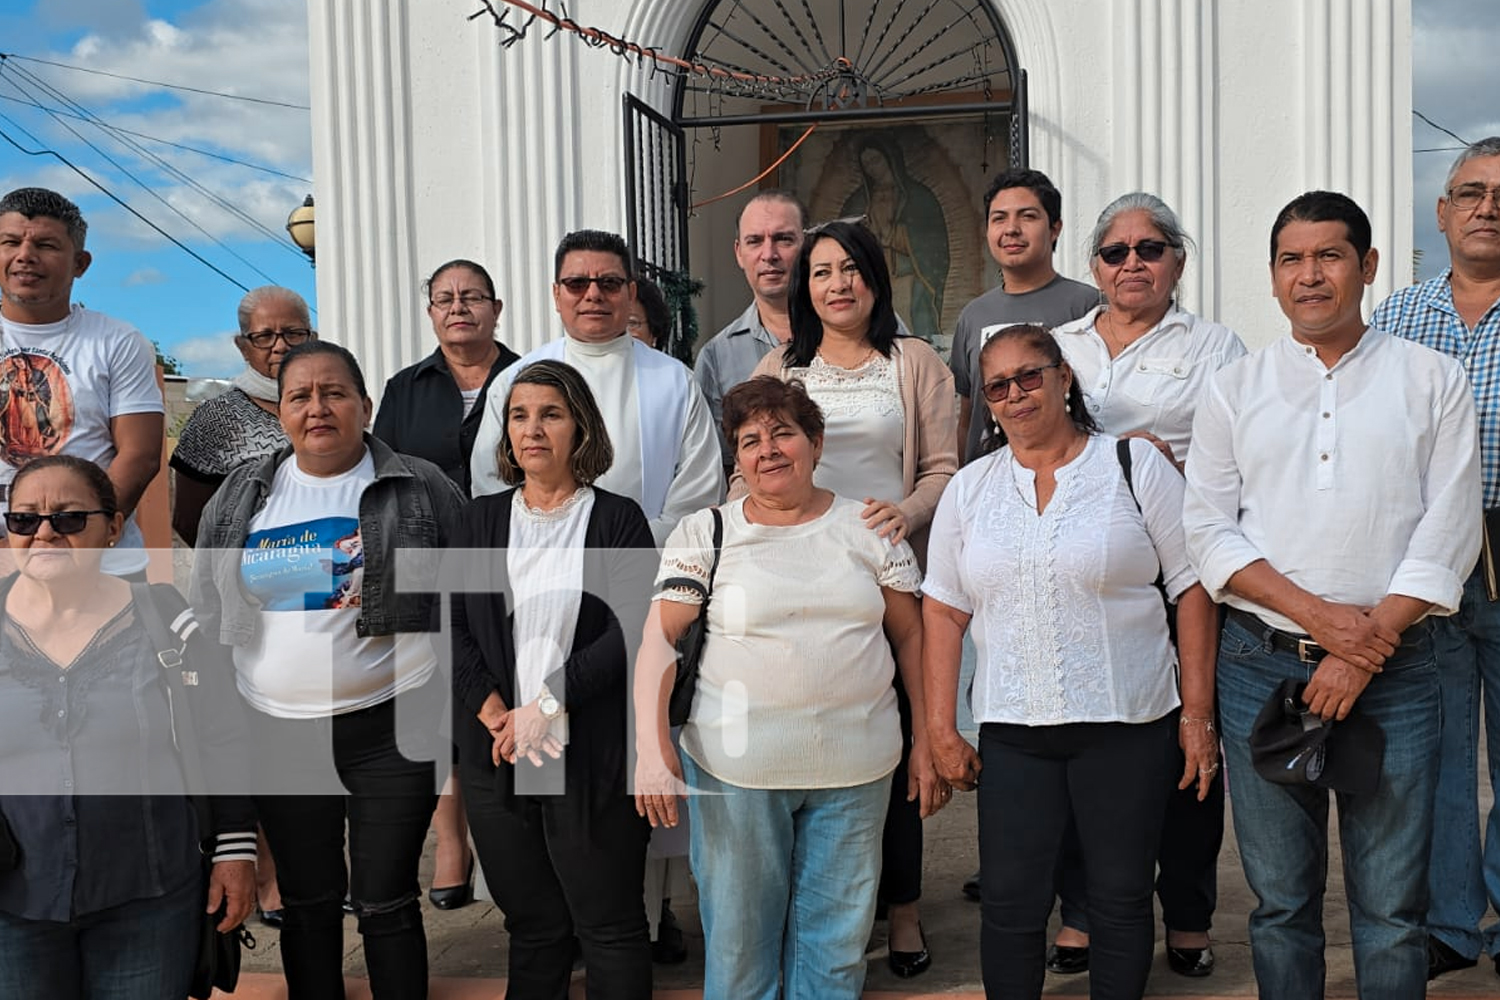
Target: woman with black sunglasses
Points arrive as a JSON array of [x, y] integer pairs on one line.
[[1059, 553], [103, 889], [1143, 362]]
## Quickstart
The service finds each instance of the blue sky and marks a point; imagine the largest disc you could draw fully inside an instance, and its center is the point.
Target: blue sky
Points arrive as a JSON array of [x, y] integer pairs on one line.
[[257, 48]]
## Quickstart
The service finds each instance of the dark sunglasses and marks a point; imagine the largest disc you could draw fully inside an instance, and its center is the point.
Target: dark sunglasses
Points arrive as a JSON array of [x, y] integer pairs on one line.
[[1028, 381], [265, 338], [1149, 251], [609, 284], [64, 522]]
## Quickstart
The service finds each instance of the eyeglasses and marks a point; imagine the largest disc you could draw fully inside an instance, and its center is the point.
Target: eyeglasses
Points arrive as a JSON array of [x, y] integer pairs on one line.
[[1028, 381], [265, 338], [609, 284], [64, 522], [1471, 196], [469, 300], [1149, 251]]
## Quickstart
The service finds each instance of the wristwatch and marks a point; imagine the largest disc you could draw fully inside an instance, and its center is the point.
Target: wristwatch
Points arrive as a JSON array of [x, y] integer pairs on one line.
[[547, 702]]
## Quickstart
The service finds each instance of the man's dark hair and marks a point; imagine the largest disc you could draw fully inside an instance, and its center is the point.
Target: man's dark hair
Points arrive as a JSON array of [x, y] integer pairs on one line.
[[775, 194], [1325, 206], [36, 203], [1039, 183], [592, 239]]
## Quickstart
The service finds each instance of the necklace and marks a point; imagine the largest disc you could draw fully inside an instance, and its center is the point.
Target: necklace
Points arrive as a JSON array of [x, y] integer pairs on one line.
[[864, 359]]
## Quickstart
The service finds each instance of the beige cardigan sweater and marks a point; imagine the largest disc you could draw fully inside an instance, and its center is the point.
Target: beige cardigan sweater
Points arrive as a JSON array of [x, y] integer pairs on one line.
[[929, 456]]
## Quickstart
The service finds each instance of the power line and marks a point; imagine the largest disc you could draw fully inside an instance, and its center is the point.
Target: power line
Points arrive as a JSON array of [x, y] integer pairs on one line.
[[147, 188], [157, 83], [1440, 128], [156, 138], [113, 197], [169, 168]]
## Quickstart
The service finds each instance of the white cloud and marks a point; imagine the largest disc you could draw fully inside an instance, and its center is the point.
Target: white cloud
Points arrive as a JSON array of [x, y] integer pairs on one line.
[[214, 356], [255, 48], [145, 276]]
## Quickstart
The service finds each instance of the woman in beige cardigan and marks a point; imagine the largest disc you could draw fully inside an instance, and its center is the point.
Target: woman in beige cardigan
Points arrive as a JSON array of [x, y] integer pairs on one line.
[[889, 441]]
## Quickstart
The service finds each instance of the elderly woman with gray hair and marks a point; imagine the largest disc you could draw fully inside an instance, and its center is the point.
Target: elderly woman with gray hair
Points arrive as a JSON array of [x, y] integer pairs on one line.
[[1143, 362], [241, 424]]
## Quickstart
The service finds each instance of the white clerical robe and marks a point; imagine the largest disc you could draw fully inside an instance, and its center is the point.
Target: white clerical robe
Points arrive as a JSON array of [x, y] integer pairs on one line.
[[667, 454]]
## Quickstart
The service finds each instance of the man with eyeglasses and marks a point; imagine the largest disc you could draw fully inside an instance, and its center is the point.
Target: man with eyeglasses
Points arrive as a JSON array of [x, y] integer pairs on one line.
[[1458, 313], [72, 381], [1333, 504], [1023, 218], [767, 240], [667, 455]]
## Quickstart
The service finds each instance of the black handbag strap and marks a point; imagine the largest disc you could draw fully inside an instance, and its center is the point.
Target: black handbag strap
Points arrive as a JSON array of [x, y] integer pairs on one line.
[[687, 582], [170, 646]]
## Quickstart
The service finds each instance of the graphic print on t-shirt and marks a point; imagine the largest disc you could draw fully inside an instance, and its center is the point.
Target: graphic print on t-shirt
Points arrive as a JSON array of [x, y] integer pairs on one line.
[[309, 566], [36, 406]]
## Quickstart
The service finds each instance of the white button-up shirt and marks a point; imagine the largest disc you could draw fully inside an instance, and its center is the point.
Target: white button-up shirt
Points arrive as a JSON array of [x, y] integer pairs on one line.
[[1155, 383], [1354, 482]]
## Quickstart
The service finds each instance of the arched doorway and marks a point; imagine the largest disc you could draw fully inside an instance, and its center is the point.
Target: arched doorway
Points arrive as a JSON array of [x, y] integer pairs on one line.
[[896, 110]]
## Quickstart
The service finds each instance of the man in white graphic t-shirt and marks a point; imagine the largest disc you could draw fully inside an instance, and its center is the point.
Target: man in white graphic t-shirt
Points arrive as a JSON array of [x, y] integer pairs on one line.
[[72, 381]]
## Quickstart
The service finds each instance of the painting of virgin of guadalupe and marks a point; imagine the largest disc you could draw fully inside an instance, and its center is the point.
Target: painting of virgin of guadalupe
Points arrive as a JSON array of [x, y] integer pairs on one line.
[[917, 186]]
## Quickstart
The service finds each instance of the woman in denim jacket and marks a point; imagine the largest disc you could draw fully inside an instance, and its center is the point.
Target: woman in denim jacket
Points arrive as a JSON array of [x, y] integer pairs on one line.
[[297, 571]]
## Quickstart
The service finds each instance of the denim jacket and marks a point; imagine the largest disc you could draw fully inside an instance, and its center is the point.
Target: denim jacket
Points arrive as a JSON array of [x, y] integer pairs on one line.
[[411, 505]]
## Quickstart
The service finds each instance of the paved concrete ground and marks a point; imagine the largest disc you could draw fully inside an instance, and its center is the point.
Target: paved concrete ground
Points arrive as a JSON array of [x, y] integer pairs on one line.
[[468, 946]]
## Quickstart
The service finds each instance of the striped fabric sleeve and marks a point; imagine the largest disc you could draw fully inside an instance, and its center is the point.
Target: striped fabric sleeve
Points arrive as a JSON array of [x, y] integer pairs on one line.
[[237, 845]]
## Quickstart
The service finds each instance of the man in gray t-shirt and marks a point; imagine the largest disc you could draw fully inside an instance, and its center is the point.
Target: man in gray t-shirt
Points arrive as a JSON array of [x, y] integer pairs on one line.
[[1023, 217]]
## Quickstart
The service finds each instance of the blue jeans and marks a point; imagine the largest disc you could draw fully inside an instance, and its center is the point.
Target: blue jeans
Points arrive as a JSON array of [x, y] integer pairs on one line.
[[141, 950], [1463, 881], [786, 886], [1282, 830]]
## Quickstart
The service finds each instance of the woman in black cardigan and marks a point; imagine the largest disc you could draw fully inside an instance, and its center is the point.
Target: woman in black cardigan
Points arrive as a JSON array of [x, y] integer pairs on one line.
[[542, 630]]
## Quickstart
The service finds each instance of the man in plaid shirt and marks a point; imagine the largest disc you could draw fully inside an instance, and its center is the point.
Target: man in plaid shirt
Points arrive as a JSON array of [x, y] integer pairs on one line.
[[1458, 313]]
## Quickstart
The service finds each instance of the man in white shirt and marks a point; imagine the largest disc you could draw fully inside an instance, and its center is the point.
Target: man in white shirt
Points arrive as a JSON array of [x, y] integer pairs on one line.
[[1458, 313], [667, 456], [1333, 503], [766, 243], [72, 381]]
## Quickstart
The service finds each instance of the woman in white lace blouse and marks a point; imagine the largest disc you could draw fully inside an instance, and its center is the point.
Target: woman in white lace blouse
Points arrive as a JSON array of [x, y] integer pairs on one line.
[[1053, 557], [793, 734], [890, 443]]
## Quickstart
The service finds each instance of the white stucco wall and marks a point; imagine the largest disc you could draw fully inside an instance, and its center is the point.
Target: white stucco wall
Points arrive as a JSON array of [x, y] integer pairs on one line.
[[431, 142]]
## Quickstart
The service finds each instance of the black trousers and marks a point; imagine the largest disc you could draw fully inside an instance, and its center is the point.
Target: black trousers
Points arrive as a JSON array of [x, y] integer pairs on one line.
[[901, 841], [387, 810], [1187, 880], [1111, 779], [558, 876]]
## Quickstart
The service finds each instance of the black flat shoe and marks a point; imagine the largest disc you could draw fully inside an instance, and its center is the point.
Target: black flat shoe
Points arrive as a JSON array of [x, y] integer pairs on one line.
[[669, 948], [1192, 962], [272, 918], [907, 964], [1442, 959], [971, 888], [1067, 961], [455, 897]]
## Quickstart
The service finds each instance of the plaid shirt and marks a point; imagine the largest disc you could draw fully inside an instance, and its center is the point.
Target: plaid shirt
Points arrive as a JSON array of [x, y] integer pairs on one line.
[[1425, 313]]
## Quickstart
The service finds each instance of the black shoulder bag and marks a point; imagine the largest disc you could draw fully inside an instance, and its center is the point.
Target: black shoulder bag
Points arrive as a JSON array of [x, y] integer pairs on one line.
[[218, 963], [690, 644]]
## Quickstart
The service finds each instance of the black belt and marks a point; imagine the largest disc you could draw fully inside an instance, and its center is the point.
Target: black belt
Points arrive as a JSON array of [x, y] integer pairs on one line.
[[1304, 648]]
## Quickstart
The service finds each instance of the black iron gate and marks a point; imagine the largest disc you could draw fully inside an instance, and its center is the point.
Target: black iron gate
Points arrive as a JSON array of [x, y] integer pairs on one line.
[[656, 212]]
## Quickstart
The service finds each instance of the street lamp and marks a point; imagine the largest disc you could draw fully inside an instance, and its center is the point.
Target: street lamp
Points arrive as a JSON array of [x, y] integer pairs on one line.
[[299, 226]]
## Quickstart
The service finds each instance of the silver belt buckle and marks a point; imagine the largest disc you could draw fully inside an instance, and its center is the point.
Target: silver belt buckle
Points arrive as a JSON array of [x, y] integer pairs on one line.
[[1309, 651]]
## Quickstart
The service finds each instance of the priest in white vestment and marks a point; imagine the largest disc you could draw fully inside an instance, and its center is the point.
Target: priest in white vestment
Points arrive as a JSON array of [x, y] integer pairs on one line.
[[667, 454]]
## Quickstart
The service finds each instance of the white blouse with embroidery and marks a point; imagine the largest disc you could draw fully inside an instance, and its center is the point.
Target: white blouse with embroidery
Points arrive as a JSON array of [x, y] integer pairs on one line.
[[865, 428], [794, 688], [1067, 621]]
